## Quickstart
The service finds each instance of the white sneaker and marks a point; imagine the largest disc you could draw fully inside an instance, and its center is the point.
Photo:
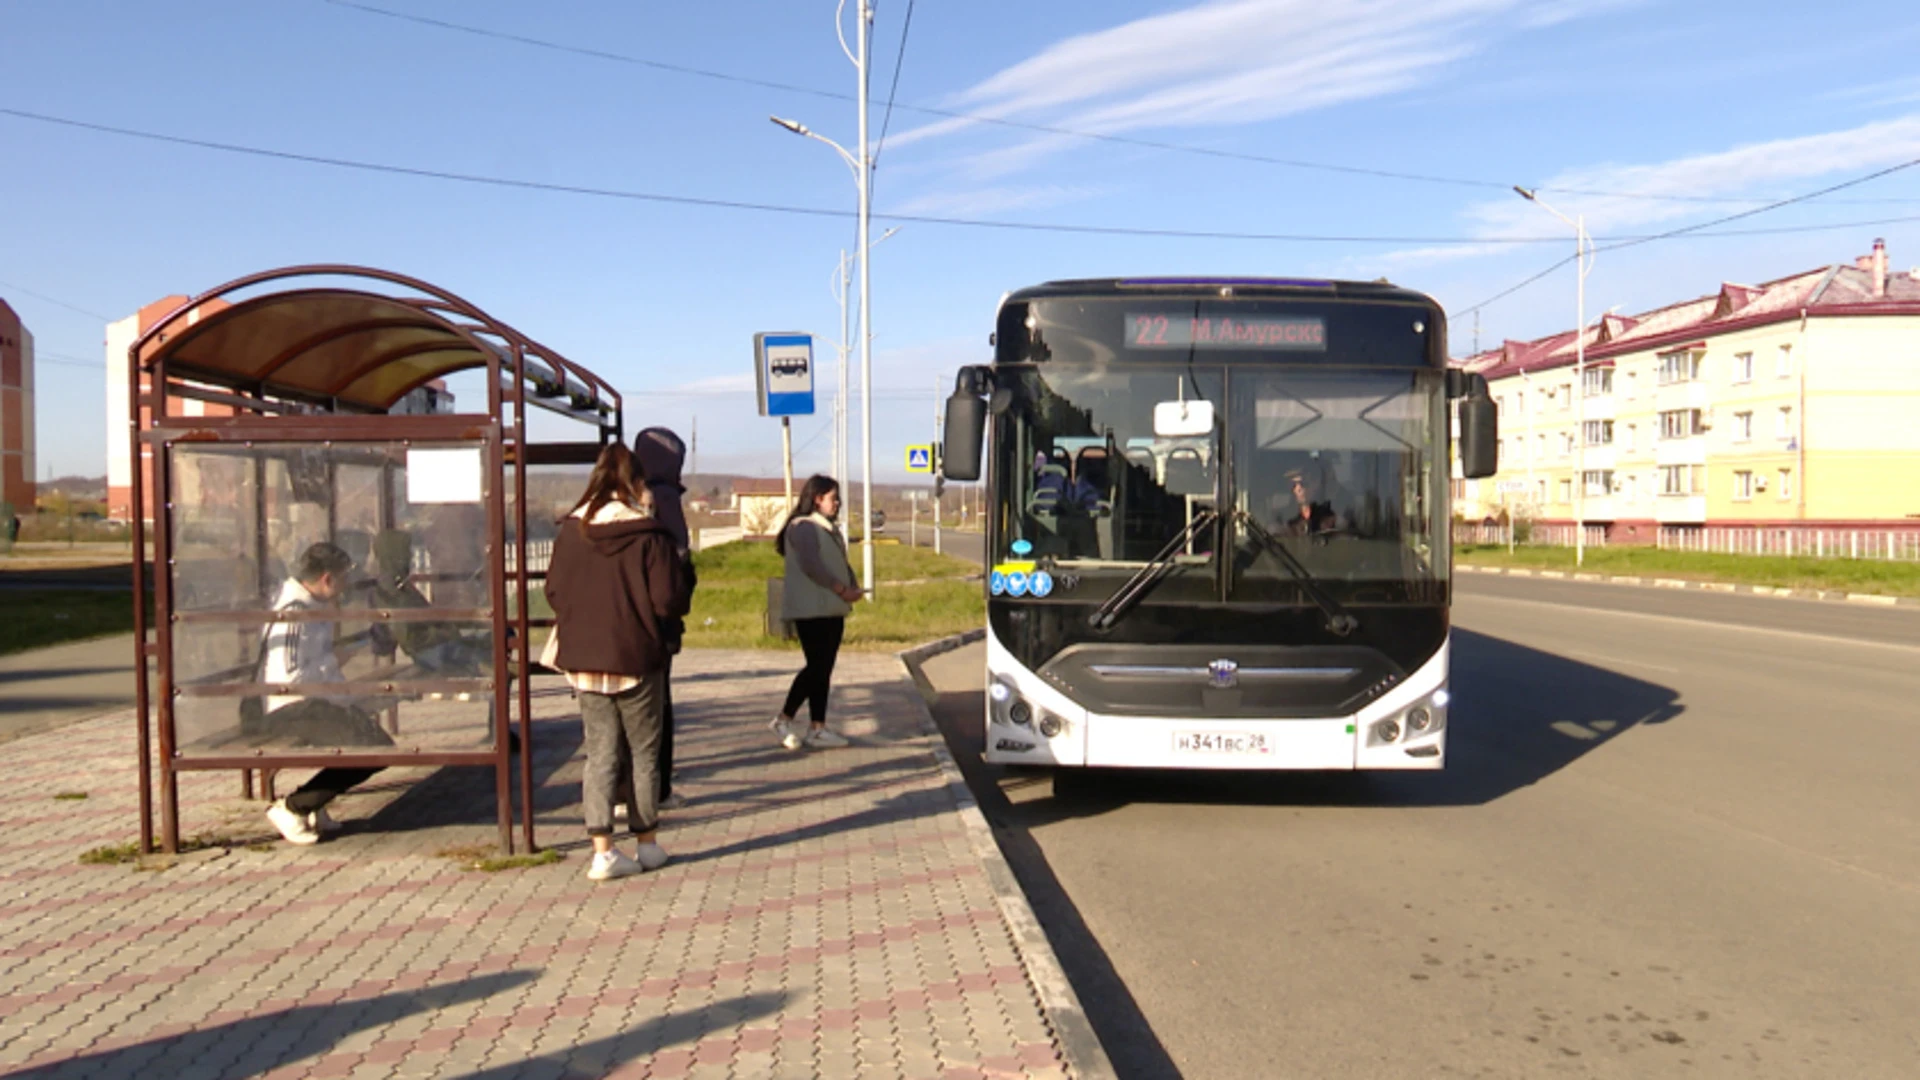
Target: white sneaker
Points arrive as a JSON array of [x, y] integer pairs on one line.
[[789, 738], [675, 801], [651, 856], [294, 826], [607, 865], [323, 824], [821, 739]]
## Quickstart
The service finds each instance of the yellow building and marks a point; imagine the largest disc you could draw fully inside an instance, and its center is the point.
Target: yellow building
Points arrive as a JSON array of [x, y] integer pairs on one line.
[[1795, 403]]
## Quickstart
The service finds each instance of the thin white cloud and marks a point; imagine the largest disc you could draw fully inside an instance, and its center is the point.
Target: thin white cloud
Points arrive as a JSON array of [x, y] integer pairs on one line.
[[1757, 170], [1243, 61]]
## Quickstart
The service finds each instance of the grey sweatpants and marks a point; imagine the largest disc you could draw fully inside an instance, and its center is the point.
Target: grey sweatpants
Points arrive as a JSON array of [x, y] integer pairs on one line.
[[637, 713]]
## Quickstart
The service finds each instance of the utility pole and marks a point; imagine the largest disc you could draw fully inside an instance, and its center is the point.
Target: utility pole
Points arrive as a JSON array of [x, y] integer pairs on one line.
[[866, 307], [938, 465]]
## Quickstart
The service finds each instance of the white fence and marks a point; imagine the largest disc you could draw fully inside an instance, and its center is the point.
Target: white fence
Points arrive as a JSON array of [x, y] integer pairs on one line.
[[1542, 534], [1899, 545]]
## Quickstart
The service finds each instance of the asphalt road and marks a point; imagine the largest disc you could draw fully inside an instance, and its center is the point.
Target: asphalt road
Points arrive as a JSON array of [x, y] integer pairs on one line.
[[1678, 835], [48, 688]]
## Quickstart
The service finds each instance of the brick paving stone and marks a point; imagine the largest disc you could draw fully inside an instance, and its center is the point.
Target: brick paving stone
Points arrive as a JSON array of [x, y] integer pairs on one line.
[[824, 915]]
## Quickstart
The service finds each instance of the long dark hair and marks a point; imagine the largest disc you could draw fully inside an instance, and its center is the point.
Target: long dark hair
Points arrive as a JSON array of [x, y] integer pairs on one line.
[[816, 488], [615, 478]]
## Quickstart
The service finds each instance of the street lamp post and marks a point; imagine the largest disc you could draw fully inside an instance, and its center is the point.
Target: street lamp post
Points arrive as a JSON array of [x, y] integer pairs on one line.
[[862, 175], [842, 274], [1583, 265]]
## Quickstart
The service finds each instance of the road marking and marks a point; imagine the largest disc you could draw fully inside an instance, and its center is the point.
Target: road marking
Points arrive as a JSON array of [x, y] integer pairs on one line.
[[1799, 635]]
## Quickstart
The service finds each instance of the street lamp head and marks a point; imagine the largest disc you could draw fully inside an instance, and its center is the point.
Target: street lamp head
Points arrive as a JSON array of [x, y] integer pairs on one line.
[[791, 125], [1524, 193]]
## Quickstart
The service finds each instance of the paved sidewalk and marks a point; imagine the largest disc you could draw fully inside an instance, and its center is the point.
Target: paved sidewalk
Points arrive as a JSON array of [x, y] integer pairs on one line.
[[825, 916]]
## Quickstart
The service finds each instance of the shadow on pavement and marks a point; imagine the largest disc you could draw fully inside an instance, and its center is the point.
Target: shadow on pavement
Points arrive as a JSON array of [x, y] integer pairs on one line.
[[259, 1043], [62, 673], [601, 1056], [1519, 715]]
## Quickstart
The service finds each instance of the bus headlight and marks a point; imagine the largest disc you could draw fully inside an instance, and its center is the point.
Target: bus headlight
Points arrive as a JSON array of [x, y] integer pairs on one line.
[[1020, 713], [999, 692], [1386, 731], [1051, 725], [1419, 719]]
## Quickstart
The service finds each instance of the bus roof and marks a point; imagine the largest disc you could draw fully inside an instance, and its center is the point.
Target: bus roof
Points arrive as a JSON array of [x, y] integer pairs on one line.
[[1211, 286]]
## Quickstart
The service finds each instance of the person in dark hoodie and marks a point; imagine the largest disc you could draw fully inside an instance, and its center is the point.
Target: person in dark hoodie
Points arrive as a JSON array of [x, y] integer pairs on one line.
[[660, 455], [615, 585]]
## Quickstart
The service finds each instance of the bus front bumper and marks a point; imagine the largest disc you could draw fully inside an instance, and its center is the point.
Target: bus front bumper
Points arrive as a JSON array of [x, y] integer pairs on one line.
[[1029, 722]]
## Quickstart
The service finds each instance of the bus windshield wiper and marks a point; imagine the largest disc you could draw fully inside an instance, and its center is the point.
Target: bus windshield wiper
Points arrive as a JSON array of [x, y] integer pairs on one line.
[[1339, 619], [1145, 578]]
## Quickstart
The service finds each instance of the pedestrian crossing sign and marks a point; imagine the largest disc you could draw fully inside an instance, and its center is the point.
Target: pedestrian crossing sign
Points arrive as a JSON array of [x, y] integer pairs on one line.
[[920, 459]]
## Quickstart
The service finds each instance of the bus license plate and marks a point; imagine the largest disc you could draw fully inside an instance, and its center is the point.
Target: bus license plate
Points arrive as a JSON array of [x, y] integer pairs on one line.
[[1220, 742]]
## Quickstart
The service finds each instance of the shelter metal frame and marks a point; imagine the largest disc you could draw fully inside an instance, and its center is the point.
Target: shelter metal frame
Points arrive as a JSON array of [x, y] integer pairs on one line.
[[384, 345]]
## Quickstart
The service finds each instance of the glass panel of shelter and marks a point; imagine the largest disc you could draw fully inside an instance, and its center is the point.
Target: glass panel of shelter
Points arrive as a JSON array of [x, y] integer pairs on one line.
[[331, 597]]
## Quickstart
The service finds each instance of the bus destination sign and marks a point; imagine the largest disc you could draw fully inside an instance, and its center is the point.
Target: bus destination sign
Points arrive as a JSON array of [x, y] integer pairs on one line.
[[1224, 332]]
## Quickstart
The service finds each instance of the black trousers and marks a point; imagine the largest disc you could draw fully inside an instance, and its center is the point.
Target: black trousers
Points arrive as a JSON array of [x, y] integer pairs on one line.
[[322, 723], [820, 644]]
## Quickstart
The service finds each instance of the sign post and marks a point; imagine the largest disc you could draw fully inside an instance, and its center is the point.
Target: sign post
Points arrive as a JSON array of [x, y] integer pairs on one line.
[[783, 381]]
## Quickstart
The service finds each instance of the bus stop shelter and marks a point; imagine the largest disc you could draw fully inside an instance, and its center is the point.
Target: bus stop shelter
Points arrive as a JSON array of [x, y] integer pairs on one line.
[[303, 410]]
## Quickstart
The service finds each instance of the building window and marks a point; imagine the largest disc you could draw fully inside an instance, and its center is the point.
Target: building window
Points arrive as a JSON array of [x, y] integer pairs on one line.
[[1680, 423], [1599, 432], [1633, 384], [1566, 491], [1458, 489], [1520, 402], [1681, 480], [1742, 485], [1566, 443], [1742, 426], [1598, 381], [1631, 486], [1633, 435], [1783, 423], [1679, 367], [1566, 396], [1743, 367], [1783, 362], [1785, 489], [1597, 482], [1539, 448]]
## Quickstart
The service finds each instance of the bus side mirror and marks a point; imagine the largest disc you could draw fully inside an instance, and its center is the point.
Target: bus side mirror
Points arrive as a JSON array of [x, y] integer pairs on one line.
[[966, 425], [1479, 437]]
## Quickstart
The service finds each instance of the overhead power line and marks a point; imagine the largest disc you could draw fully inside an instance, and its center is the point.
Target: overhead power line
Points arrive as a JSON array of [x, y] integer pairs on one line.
[[886, 121], [1686, 230], [1043, 129], [44, 298], [824, 212]]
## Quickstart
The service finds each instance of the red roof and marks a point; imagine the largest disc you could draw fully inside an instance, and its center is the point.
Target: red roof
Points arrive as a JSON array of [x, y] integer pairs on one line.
[[1841, 290]]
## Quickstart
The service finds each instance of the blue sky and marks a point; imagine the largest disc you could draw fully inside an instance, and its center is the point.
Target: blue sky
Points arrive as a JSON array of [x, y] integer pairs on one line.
[[1715, 106]]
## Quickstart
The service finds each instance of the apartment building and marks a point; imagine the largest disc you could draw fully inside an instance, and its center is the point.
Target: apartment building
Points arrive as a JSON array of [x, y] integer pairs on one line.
[[1792, 403], [17, 487]]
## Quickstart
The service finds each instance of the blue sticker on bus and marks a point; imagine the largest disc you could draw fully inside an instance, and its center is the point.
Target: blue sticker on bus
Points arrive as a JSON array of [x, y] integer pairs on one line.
[[999, 583], [1023, 547], [1040, 584], [1017, 583]]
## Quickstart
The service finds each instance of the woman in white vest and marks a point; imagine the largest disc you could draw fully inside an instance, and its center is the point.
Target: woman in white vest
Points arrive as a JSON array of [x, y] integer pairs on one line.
[[815, 597]]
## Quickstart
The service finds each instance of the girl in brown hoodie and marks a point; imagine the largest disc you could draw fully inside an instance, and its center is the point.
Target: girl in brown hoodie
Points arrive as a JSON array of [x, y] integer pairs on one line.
[[614, 584]]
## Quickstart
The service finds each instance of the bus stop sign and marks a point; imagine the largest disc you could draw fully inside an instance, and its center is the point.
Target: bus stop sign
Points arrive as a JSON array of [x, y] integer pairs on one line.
[[783, 373]]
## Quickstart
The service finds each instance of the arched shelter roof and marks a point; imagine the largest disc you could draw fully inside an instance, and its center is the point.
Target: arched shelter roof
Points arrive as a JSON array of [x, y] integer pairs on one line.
[[340, 344]]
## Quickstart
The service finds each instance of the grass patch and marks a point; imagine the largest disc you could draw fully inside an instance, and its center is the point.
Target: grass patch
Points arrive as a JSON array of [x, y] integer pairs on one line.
[[37, 618], [129, 852], [70, 796], [1777, 571], [730, 605], [486, 859]]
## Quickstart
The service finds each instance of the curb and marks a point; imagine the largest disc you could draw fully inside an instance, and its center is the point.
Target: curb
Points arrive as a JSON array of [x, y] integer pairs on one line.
[[1079, 1047], [1829, 595]]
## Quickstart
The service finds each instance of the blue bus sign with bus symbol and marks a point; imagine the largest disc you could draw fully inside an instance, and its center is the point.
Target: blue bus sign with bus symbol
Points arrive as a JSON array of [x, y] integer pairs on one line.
[[783, 373]]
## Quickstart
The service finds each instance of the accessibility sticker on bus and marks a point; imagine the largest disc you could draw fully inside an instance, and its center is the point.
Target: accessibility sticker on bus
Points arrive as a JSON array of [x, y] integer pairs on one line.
[[998, 583]]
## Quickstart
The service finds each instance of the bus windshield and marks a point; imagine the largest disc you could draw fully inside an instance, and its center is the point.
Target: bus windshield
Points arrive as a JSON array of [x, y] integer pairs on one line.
[[1339, 464]]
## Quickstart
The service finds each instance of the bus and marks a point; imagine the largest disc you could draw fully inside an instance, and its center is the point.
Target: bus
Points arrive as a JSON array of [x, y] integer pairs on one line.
[[1218, 531]]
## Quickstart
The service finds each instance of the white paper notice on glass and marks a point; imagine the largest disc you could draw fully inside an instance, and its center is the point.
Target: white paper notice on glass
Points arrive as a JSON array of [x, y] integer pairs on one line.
[[443, 476]]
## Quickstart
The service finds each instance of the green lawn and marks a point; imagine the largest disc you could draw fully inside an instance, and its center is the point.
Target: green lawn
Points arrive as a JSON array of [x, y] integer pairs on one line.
[[1780, 571], [36, 618], [729, 608]]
